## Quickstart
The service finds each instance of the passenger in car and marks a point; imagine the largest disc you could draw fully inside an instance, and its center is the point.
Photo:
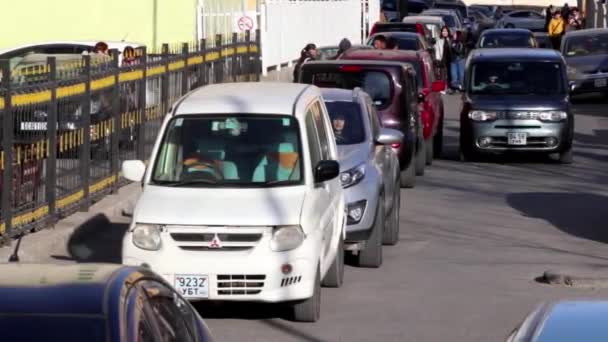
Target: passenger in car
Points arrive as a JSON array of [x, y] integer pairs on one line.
[[338, 124]]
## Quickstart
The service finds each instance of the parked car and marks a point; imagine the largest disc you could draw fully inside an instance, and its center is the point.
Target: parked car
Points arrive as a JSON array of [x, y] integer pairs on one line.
[[432, 24], [507, 38], [543, 40], [330, 51], [487, 10], [406, 41], [94, 302], [482, 20], [516, 100], [242, 200], [564, 320], [457, 5], [369, 173], [382, 28], [586, 54], [530, 20], [429, 93], [392, 87], [394, 14], [450, 17]]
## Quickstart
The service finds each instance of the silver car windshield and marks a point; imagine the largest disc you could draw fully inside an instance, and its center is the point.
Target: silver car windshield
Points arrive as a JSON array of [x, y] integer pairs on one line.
[[346, 122], [518, 77], [230, 151], [586, 45]]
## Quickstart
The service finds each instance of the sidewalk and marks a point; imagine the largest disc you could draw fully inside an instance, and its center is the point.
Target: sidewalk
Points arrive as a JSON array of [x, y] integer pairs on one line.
[[96, 235]]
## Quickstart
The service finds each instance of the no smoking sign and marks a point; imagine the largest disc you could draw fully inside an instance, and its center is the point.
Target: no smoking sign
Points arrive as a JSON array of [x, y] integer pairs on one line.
[[245, 23]]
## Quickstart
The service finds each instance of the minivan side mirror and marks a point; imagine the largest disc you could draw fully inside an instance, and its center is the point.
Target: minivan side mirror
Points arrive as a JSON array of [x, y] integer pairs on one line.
[[438, 86], [388, 136], [133, 170], [326, 170]]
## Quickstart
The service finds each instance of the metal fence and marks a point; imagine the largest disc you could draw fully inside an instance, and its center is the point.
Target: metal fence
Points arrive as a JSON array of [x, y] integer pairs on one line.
[[66, 127], [596, 13]]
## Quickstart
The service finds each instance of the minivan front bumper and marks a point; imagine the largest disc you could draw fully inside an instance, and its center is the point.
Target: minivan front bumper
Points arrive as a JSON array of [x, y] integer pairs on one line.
[[520, 135]]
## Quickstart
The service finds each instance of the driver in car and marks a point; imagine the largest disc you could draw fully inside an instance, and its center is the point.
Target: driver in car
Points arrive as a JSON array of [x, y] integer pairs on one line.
[[338, 123]]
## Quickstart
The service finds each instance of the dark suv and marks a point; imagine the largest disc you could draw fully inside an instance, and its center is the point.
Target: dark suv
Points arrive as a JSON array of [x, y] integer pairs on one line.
[[516, 100], [393, 89]]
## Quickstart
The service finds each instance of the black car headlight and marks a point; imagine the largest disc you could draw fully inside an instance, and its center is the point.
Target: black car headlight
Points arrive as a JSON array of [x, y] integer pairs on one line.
[[353, 176]]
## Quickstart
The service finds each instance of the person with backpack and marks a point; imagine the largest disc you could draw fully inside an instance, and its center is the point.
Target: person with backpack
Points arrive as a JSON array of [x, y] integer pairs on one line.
[[308, 53]]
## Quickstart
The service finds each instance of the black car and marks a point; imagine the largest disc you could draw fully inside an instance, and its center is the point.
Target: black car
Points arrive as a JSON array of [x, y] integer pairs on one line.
[[516, 100], [507, 38], [93, 303]]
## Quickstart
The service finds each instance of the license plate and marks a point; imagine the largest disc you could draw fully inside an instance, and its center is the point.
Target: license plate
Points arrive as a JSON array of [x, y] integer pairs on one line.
[[33, 126], [517, 138], [192, 285], [600, 83]]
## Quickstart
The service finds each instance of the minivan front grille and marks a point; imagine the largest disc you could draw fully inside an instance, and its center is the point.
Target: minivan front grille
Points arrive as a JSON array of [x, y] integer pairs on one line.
[[216, 242], [240, 284]]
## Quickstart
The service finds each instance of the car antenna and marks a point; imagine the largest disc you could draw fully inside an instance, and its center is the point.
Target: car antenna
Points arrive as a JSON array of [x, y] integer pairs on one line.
[[15, 256]]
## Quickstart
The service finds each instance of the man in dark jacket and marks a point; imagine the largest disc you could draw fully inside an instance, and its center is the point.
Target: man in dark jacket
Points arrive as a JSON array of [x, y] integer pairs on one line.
[[308, 53], [344, 45], [548, 16]]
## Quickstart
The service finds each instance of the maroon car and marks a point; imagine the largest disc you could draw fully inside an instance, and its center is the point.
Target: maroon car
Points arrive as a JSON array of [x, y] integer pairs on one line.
[[392, 87], [429, 91]]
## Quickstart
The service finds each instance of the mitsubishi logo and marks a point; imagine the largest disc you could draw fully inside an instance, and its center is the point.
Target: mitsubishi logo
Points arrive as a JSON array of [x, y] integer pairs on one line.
[[215, 242]]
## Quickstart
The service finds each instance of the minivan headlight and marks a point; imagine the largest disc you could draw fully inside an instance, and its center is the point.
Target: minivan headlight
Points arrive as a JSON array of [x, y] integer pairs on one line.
[[482, 115], [353, 176], [553, 116], [147, 236], [285, 238], [573, 73]]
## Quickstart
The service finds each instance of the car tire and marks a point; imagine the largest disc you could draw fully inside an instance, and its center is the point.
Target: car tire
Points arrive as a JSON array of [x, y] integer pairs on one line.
[[566, 156], [391, 232], [309, 310], [371, 256], [420, 157], [408, 176], [429, 149], [438, 140], [335, 275]]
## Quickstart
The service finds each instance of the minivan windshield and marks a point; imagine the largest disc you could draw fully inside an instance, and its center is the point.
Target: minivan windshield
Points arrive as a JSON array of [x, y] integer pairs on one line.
[[346, 122], [229, 151], [516, 77], [596, 44], [376, 83]]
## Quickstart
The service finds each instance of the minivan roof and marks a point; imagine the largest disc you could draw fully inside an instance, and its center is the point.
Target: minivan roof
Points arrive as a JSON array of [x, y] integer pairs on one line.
[[395, 55], [244, 98], [515, 53]]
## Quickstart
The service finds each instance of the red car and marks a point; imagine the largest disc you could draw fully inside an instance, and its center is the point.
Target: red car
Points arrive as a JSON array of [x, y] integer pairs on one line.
[[431, 103]]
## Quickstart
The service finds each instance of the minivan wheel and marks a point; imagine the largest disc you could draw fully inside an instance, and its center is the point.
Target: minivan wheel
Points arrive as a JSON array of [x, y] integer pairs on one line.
[[566, 157], [335, 275], [309, 310], [429, 151], [408, 176], [420, 157], [391, 232], [371, 256]]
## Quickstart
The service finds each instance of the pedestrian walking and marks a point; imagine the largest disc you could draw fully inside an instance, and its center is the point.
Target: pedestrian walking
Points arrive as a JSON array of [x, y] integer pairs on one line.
[[556, 29], [579, 21], [343, 46], [458, 51], [308, 53], [565, 11], [548, 16], [443, 54]]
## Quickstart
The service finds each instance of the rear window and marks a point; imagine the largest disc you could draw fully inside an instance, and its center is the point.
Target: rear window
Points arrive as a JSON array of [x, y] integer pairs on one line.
[[376, 83], [346, 121], [449, 21], [506, 40]]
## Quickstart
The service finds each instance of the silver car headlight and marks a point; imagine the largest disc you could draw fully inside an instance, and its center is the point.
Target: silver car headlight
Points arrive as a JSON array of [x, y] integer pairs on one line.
[[573, 73], [553, 116], [285, 238], [147, 236], [482, 115], [353, 176]]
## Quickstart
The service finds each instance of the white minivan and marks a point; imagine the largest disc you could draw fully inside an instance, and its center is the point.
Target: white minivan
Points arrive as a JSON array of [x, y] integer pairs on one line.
[[241, 199]]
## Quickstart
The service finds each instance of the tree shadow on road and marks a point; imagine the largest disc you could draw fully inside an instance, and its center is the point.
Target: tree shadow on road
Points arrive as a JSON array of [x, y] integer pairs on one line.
[[583, 215], [97, 240]]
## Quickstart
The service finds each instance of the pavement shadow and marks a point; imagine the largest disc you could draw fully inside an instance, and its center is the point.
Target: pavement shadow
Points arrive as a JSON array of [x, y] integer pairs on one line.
[[97, 240], [582, 215]]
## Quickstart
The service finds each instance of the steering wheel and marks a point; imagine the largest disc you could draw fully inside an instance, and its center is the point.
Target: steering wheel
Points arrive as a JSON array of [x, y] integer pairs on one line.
[[197, 163]]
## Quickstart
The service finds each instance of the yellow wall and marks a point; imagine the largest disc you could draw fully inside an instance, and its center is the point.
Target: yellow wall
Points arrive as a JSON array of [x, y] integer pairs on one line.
[[30, 21]]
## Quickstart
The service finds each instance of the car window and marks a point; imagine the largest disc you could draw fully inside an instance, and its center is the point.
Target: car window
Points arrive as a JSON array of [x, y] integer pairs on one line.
[[234, 150], [313, 140], [596, 44], [535, 15], [172, 314], [347, 122], [519, 15], [321, 126], [506, 40], [516, 78], [374, 118], [377, 84]]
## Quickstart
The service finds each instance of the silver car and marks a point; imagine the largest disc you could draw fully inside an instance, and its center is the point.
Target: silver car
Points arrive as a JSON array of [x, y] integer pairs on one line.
[[530, 20], [586, 54], [369, 173]]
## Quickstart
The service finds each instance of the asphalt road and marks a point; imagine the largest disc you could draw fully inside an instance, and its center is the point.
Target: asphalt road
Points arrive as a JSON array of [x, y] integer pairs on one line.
[[474, 236]]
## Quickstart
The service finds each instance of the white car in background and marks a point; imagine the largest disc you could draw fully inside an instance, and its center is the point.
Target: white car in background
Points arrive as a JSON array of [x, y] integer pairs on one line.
[[242, 199]]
